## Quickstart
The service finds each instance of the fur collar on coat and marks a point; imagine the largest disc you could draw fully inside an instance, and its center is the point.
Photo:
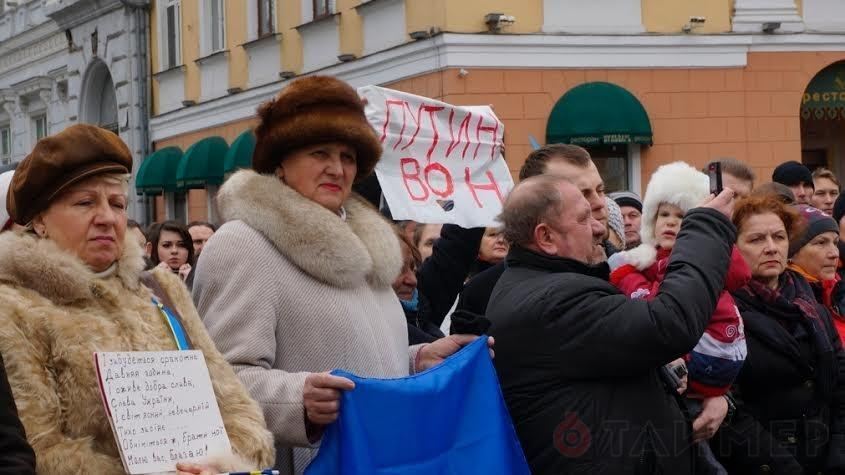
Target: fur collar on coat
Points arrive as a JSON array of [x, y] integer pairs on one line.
[[341, 254], [38, 264]]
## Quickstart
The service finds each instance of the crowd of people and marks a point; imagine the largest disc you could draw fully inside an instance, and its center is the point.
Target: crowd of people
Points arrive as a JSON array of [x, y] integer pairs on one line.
[[681, 332]]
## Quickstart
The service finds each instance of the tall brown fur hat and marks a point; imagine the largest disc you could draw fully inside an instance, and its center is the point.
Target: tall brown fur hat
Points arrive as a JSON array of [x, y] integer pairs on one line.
[[313, 110]]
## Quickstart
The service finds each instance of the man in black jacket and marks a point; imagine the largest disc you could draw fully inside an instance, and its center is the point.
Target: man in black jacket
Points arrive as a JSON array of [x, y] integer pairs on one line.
[[569, 161], [579, 363]]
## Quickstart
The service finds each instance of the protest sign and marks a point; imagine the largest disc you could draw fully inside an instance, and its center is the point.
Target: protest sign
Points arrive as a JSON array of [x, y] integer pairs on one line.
[[441, 163], [161, 407]]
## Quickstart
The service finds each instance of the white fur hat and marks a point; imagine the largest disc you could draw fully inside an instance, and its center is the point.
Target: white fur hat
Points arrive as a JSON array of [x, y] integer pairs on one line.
[[677, 183], [5, 181]]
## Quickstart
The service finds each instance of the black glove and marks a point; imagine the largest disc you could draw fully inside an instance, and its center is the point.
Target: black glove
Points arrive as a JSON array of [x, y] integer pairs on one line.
[[468, 323]]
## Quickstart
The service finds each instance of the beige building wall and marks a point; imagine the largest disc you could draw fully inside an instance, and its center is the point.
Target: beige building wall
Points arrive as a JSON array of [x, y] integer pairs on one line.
[[662, 16], [351, 28], [288, 15], [191, 48], [236, 35]]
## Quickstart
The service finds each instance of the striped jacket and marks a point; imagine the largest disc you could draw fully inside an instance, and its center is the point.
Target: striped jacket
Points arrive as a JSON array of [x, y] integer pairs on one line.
[[715, 361]]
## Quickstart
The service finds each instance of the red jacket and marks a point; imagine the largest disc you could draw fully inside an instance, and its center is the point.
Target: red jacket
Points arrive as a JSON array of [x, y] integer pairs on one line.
[[715, 362]]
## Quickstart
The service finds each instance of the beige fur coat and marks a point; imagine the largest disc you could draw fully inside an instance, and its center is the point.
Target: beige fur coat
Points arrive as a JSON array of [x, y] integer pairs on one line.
[[55, 313]]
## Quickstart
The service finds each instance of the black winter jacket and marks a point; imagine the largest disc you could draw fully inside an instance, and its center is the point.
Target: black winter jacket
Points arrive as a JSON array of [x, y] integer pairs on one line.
[[440, 279], [783, 424], [579, 363], [476, 293], [16, 456]]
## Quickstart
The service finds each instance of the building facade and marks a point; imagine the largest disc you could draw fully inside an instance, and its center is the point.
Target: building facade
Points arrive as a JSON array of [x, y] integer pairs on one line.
[[64, 62], [638, 82]]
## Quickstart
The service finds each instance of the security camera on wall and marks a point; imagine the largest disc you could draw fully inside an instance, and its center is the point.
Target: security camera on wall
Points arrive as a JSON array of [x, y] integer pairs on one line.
[[496, 21], [694, 22]]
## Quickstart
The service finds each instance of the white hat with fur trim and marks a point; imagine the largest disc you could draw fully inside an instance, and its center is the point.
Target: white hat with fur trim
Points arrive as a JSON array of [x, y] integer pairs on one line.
[[676, 183]]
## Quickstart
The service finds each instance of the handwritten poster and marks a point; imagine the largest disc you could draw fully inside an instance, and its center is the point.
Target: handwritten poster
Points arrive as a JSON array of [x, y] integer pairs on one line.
[[441, 163], [162, 408]]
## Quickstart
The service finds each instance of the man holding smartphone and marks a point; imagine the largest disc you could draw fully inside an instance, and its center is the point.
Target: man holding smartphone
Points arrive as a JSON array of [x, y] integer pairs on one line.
[[581, 364]]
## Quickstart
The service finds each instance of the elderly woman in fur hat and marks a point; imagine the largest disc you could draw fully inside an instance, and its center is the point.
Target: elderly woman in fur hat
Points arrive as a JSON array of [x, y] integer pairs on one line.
[[71, 285], [298, 281]]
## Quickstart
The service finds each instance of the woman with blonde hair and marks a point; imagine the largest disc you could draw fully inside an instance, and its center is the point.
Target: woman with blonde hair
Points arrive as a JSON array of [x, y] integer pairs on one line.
[[72, 284]]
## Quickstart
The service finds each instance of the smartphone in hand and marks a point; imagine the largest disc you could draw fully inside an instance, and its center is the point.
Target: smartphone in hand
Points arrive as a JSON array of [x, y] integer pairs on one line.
[[714, 171]]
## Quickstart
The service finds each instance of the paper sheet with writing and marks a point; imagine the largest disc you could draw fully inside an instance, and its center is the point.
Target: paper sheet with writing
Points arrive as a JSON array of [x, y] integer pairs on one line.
[[162, 408]]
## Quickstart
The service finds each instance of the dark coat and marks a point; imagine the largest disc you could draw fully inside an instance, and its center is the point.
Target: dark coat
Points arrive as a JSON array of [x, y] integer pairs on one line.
[[440, 279], [16, 456], [579, 363], [783, 422], [476, 293]]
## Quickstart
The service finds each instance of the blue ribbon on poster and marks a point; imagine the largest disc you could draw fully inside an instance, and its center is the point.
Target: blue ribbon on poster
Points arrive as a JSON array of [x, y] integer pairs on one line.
[[449, 419]]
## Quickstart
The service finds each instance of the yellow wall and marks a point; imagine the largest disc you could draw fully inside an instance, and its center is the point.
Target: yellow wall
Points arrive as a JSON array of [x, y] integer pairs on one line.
[[351, 28], [669, 16], [467, 16], [191, 48], [236, 35], [288, 17], [420, 15], [153, 55]]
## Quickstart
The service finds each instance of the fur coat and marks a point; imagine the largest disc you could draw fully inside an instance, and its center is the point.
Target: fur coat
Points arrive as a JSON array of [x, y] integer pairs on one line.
[[286, 287], [55, 313]]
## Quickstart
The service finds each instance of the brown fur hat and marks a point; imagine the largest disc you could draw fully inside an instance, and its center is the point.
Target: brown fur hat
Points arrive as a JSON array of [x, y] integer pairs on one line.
[[313, 110]]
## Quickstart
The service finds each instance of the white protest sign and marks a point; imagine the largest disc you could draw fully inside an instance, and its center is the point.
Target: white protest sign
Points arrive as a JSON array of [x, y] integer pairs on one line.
[[162, 408], [441, 163]]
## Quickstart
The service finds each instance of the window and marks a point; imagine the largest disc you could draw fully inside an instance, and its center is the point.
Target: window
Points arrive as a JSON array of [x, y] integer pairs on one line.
[[5, 144], [266, 17], [216, 26], [323, 8], [40, 123], [170, 35]]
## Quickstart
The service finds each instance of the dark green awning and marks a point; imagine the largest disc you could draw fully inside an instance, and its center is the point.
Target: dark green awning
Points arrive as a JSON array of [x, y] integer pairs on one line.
[[824, 98], [202, 164], [239, 154], [598, 113], [157, 173]]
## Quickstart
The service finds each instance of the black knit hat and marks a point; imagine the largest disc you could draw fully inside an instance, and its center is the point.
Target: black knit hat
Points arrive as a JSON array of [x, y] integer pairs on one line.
[[839, 209], [815, 222], [792, 173], [627, 198]]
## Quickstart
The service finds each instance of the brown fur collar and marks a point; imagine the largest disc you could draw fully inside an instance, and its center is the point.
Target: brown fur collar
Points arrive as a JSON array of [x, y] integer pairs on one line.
[[38, 264], [342, 254]]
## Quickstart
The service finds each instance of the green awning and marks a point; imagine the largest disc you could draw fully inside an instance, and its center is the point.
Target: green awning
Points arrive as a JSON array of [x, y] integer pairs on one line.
[[598, 113], [239, 154], [202, 164], [824, 98], [157, 173]]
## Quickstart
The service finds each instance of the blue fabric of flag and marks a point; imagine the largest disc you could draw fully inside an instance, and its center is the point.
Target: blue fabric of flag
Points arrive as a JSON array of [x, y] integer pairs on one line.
[[174, 325], [451, 419]]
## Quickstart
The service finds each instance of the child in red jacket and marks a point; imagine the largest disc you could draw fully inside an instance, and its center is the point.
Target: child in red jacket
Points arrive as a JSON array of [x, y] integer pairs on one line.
[[716, 360]]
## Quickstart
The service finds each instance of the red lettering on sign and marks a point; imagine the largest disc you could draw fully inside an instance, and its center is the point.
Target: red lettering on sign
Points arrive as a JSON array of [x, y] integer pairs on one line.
[[413, 176], [387, 104], [491, 186], [463, 128], [494, 130], [436, 167], [436, 136]]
